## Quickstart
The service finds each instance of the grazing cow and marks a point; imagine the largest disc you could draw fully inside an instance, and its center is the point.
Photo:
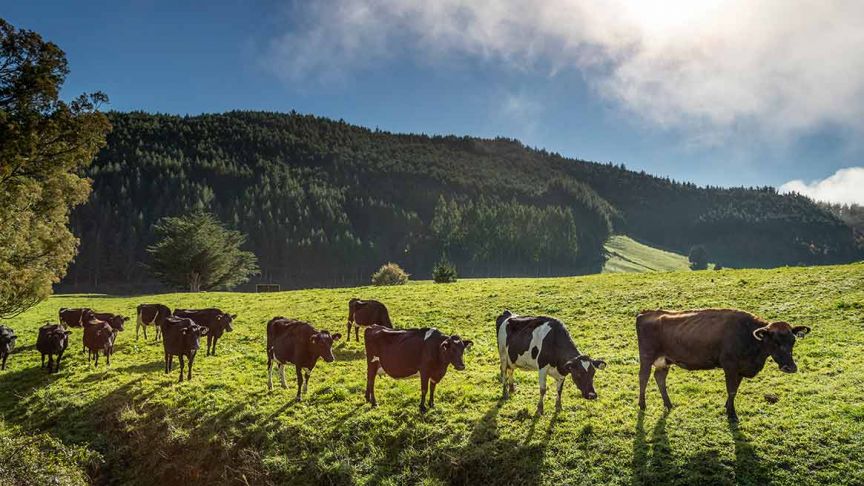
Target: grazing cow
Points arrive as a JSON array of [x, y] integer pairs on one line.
[[734, 340], [180, 338], [214, 320], [365, 313], [7, 344], [52, 341], [75, 317], [151, 314], [297, 342], [404, 353], [99, 336], [543, 344]]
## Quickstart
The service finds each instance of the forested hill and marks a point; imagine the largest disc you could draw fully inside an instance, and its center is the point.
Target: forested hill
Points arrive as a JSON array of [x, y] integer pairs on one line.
[[325, 203]]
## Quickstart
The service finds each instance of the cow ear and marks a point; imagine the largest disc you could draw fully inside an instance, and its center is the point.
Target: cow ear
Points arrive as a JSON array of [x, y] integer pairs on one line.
[[468, 343], [313, 339], [445, 345], [800, 331], [125, 319], [233, 316], [184, 331], [337, 336], [759, 334], [599, 364]]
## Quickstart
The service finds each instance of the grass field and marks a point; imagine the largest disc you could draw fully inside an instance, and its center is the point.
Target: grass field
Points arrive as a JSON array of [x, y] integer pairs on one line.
[[134, 424], [626, 255]]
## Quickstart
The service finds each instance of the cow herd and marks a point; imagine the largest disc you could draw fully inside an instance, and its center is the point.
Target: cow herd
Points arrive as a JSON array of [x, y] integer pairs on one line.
[[735, 341]]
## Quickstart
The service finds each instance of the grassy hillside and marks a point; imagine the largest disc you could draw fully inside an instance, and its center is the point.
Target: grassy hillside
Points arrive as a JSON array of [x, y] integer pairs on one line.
[[626, 255], [225, 426]]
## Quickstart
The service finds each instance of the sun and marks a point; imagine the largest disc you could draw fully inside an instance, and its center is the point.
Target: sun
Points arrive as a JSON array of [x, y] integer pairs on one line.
[[657, 16]]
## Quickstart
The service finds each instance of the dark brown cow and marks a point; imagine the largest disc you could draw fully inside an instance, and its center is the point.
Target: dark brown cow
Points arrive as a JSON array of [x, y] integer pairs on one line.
[[52, 341], [214, 320], [99, 336], [406, 352], [75, 317], [114, 320], [297, 342], [7, 344], [151, 314], [365, 313], [180, 338], [734, 340]]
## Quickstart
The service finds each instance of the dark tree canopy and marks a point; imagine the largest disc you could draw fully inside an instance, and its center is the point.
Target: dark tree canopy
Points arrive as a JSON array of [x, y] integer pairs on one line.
[[326, 203], [698, 258], [44, 142]]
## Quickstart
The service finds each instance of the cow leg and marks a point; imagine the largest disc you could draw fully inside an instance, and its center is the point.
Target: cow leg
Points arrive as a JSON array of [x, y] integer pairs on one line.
[[644, 374], [511, 382], [181, 367], [560, 385], [299, 382], [660, 378], [43, 361], [505, 394], [57, 364], [542, 380], [50, 362], [215, 340], [269, 372], [424, 387], [371, 373], [349, 332], [282, 375], [96, 359], [4, 361], [306, 381], [432, 385], [107, 358], [189, 369], [733, 381], [357, 332]]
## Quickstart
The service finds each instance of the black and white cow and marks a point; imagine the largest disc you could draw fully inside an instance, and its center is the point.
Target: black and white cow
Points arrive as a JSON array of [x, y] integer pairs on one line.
[[543, 344]]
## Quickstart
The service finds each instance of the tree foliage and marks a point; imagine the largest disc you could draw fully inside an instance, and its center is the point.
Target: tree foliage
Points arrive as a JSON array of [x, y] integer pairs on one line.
[[324, 203], [390, 274], [444, 271], [698, 258], [196, 252], [44, 142]]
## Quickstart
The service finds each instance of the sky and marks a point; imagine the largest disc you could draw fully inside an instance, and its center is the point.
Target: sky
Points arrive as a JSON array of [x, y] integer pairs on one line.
[[716, 92]]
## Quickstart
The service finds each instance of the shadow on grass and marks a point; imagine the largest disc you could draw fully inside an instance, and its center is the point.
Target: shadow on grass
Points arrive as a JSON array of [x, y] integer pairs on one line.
[[343, 353], [158, 365], [654, 461], [489, 459]]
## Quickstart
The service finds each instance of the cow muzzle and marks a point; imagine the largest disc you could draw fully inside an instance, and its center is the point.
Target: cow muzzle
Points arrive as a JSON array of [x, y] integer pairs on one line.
[[591, 396], [459, 366], [789, 368]]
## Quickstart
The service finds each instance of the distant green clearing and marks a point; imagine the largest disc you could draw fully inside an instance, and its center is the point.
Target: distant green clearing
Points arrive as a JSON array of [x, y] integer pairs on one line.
[[224, 426], [626, 255]]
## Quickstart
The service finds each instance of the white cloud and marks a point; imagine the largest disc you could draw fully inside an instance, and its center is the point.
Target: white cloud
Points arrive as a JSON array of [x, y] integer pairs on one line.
[[711, 67], [845, 186]]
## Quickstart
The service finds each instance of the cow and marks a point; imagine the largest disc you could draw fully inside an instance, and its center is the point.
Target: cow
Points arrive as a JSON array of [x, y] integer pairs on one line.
[[7, 344], [180, 338], [543, 344], [297, 342], [52, 341], [734, 340], [75, 317], [99, 336], [214, 320], [406, 352], [114, 320], [365, 313], [151, 314]]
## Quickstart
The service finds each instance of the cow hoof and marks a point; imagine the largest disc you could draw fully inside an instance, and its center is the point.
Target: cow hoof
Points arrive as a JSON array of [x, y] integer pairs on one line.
[[669, 406], [422, 409], [642, 405]]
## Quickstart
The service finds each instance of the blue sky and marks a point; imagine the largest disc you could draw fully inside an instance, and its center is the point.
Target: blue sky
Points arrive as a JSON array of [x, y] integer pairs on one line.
[[716, 92]]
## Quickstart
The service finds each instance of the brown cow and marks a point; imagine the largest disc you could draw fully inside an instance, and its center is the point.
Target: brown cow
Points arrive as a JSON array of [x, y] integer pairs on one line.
[[114, 320], [366, 313], [214, 320], [75, 317], [406, 352], [7, 344], [297, 342], [151, 314], [734, 340], [180, 338], [52, 341], [99, 336]]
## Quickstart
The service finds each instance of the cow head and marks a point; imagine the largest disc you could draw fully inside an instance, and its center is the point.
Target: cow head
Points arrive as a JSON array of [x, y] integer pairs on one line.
[[7, 339], [322, 343], [778, 339], [582, 369], [116, 322], [194, 330], [452, 350], [225, 321]]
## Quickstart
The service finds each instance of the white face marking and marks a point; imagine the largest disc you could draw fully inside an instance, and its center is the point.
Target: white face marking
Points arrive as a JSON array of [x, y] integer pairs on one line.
[[525, 360], [374, 359], [585, 364], [429, 333]]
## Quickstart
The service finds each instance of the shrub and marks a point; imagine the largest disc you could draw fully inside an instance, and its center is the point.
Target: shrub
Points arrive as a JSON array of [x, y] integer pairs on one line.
[[390, 274], [698, 258], [444, 272]]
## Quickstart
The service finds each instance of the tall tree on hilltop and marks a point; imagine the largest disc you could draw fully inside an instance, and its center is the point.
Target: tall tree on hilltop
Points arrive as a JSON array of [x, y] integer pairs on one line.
[[196, 252], [44, 143]]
